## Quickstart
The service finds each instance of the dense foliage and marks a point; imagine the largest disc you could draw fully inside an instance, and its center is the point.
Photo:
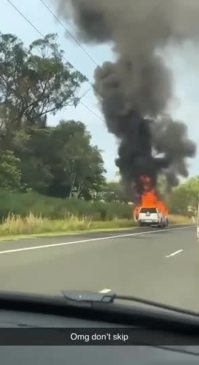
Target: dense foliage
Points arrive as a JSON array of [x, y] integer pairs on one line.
[[55, 208], [185, 197], [58, 161]]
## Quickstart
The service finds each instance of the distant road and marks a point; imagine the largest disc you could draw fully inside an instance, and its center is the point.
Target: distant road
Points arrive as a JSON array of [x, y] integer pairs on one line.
[[161, 265]]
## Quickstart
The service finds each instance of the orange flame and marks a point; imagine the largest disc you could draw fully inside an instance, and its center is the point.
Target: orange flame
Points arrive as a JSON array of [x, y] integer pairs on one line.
[[149, 198]]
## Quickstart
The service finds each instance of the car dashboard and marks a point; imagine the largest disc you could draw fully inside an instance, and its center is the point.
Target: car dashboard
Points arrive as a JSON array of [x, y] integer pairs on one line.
[[84, 354]]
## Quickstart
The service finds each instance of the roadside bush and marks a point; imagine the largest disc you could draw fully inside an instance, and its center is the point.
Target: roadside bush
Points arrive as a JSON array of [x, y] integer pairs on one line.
[[22, 204]]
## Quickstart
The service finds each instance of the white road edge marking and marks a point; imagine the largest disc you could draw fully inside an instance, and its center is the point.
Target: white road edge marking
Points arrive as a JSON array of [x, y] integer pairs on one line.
[[174, 254], [105, 291], [106, 238]]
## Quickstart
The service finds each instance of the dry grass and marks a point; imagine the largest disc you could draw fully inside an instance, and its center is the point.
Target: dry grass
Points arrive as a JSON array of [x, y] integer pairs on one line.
[[179, 219], [16, 225]]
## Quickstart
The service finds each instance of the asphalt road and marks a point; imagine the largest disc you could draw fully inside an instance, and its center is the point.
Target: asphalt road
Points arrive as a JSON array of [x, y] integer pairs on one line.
[[160, 265]]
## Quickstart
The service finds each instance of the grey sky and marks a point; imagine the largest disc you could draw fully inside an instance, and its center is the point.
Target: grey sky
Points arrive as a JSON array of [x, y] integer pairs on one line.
[[184, 63]]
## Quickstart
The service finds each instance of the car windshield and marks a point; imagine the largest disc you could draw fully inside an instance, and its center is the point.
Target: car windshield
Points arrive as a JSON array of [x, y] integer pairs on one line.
[[98, 122]]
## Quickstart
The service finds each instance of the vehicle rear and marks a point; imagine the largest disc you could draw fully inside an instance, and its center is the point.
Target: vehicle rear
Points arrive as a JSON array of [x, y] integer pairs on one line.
[[150, 216]]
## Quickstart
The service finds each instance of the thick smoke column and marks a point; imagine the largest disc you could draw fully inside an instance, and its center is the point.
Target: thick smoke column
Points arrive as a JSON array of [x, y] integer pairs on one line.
[[135, 90]]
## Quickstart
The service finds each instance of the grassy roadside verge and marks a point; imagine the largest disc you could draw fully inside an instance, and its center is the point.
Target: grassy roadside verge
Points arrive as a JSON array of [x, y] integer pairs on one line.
[[179, 219], [32, 226], [16, 227]]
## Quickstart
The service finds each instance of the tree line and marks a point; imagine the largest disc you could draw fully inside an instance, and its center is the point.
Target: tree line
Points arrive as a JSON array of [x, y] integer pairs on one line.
[[185, 198], [59, 161]]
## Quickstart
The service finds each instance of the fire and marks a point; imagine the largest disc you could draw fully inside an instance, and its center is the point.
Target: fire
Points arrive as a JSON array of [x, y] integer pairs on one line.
[[149, 198]]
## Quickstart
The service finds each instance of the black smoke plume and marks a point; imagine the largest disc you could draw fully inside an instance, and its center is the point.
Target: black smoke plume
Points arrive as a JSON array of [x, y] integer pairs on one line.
[[135, 90]]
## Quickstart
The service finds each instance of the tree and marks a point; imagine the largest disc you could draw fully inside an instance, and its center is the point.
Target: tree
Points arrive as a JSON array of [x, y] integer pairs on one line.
[[113, 192], [34, 82], [33, 149], [77, 166], [91, 179], [10, 172], [59, 161], [185, 195]]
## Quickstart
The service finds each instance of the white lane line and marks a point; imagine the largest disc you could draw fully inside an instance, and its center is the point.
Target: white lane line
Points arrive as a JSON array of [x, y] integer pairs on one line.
[[174, 254], [106, 238], [105, 291]]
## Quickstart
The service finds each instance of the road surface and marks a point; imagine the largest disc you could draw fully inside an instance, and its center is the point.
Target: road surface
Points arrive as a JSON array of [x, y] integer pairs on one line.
[[160, 265]]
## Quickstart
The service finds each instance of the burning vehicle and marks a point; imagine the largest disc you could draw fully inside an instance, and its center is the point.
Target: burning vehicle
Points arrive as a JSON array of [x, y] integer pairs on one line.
[[150, 210]]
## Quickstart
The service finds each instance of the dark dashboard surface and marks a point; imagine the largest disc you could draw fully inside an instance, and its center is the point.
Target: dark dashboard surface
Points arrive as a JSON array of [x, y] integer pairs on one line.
[[138, 355]]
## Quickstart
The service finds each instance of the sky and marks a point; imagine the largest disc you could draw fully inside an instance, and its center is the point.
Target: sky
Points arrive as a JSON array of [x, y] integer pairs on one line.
[[183, 61]]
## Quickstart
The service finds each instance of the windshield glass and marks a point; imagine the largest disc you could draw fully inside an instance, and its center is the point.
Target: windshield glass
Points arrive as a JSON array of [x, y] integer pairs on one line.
[[98, 122]]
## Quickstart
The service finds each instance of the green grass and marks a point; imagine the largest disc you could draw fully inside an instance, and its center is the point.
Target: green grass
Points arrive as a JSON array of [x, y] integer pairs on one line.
[[53, 208]]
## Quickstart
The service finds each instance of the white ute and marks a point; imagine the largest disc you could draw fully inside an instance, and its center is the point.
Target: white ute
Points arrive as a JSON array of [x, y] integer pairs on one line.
[[152, 216]]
